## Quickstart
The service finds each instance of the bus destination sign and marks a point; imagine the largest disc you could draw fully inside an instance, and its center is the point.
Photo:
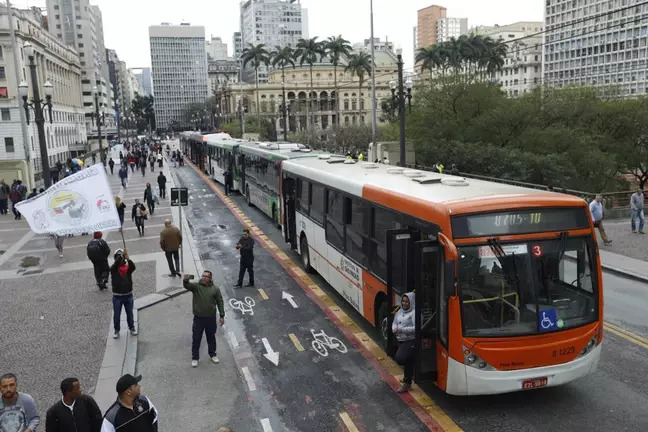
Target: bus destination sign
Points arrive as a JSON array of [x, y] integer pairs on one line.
[[519, 222]]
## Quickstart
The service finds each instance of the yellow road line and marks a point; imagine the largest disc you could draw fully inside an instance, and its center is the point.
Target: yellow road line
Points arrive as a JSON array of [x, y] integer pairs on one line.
[[295, 341], [348, 422], [626, 332], [626, 337], [264, 296]]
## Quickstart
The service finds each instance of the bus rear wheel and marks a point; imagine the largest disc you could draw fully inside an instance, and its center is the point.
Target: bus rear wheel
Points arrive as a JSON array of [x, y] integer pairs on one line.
[[305, 254]]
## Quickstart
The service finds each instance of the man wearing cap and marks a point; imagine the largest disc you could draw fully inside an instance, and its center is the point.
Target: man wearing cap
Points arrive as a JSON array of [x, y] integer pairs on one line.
[[132, 411]]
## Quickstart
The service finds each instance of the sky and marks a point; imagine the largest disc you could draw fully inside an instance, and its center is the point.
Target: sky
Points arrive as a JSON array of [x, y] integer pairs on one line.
[[126, 22]]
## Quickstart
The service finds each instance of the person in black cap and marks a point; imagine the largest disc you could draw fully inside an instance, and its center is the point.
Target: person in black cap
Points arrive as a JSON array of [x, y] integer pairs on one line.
[[132, 411]]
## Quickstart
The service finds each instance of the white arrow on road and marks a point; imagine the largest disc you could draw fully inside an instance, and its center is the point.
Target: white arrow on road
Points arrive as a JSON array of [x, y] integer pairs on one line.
[[289, 297], [271, 354]]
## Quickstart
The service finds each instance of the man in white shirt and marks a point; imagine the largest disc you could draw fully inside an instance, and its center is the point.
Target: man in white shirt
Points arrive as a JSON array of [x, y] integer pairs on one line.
[[596, 209]]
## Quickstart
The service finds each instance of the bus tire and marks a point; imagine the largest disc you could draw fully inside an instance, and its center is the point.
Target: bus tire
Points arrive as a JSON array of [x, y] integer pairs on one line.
[[247, 196], [275, 216], [384, 323], [305, 254]]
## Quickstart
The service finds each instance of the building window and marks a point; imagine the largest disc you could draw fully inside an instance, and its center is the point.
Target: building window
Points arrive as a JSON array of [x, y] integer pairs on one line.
[[3, 93], [2, 73], [6, 114], [1, 56], [9, 145]]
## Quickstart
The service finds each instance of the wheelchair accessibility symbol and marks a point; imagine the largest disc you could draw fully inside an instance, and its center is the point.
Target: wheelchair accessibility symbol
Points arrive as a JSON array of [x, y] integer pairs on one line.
[[548, 320]]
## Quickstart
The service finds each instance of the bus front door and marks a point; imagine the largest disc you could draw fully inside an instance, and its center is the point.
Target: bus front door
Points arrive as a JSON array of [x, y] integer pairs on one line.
[[399, 279], [290, 220], [427, 260]]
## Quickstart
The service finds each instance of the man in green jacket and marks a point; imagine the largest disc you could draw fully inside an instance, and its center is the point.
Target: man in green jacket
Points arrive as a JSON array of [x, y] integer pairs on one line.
[[206, 297]]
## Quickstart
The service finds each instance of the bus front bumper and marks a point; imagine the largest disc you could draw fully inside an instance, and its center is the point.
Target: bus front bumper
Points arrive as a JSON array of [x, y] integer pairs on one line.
[[465, 380]]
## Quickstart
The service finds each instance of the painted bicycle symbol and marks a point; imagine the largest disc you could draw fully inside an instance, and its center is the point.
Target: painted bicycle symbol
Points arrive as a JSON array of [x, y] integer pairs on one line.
[[323, 342], [245, 306]]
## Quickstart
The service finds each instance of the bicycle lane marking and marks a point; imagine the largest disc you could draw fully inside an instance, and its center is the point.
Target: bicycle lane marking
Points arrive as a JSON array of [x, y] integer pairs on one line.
[[430, 414]]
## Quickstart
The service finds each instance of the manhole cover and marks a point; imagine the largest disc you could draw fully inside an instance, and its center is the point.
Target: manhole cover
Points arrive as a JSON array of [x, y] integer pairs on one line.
[[30, 261]]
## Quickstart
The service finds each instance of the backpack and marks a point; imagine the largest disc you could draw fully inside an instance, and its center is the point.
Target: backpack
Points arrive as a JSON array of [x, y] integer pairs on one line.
[[14, 195], [94, 250]]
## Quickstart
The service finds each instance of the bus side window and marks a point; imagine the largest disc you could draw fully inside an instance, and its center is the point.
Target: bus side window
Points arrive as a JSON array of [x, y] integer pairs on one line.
[[356, 241], [317, 203], [303, 196]]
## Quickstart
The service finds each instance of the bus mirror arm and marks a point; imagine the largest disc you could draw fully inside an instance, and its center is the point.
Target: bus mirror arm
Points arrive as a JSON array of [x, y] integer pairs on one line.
[[451, 257], [449, 248]]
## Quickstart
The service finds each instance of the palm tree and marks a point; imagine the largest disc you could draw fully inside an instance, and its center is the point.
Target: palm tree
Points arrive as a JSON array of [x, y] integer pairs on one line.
[[283, 57], [336, 47], [307, 52], [256, 55], [429, 58], [359, 64]]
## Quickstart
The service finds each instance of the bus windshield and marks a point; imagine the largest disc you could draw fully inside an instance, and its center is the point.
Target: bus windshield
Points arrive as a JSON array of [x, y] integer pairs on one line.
[[526, 288]]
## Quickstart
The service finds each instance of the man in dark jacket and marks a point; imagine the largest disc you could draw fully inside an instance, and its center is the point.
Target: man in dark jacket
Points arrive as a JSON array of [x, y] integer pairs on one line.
[[132, 411], [98, 252], [121, 274], [74, 412], [206, 298], [246, 247], [111, 164], [162, 184]]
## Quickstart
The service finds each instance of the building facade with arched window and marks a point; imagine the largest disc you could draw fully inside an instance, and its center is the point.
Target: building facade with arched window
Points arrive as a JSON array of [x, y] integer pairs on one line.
[[314, 105]]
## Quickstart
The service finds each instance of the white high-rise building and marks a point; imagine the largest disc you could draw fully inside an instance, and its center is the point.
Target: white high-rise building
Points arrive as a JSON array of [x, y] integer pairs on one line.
[[60, 65], [522, 69], [272, 22], [79, 24], [600, 43], [216, 49], [448, 28], [179, 70]]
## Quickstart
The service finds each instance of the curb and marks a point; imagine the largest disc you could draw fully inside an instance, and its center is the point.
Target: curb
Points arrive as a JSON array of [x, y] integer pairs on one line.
[[625, 273]]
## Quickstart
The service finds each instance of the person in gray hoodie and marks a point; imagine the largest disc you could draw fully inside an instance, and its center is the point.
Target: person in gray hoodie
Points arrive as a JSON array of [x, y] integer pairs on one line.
[[404, 327]]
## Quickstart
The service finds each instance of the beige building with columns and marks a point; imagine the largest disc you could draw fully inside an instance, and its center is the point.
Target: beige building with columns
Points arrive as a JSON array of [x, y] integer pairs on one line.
[[355, 102], [56, 63]]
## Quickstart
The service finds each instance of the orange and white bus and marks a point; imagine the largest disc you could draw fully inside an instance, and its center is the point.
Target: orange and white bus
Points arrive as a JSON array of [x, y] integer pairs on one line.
[[508, 280]]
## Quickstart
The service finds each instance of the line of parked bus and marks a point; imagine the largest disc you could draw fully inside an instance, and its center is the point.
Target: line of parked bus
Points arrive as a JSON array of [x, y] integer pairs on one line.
[[508, 280]]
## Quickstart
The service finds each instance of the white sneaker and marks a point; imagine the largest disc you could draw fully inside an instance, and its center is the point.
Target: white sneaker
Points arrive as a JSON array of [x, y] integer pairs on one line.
[[133, 332], [116, 335], [215, 360], [194, 363]]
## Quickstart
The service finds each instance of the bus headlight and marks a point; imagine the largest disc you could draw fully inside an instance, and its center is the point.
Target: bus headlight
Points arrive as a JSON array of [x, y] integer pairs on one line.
[[471, 358], [590, 345], [474, 361]]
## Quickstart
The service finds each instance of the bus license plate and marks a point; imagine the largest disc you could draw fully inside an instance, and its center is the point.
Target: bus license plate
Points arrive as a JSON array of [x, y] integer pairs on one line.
[[535, 383]]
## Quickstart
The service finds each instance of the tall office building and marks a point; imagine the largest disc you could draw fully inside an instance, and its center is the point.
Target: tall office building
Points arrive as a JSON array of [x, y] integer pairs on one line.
[[237, 40], [79, 24], [522, 69], [179, 69], [427, 25], [143, 77], [216, 49], [272, 22], [448, 28], [601, 43]]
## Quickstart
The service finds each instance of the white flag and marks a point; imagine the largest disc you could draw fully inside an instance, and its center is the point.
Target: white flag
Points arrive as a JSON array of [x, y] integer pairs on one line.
[[80, 203]]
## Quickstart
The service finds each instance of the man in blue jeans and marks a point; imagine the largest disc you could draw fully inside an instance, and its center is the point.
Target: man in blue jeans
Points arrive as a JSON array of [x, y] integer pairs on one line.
[[637, 211], [121, 274]]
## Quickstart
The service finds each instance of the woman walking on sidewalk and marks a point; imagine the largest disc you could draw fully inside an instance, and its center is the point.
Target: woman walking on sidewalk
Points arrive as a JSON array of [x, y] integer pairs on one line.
[[139, 214], [121, 207], [58, 243]]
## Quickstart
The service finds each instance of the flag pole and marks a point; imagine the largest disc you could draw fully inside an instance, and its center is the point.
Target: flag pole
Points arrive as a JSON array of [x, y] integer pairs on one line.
[[123, 239]]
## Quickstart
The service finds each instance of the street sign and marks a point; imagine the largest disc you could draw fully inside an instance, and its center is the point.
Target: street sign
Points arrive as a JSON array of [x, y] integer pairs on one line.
[[179, 197]]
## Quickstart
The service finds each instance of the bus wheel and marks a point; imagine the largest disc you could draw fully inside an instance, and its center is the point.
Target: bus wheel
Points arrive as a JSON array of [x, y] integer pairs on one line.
[[247, 196], [305, 254], [384, 318]]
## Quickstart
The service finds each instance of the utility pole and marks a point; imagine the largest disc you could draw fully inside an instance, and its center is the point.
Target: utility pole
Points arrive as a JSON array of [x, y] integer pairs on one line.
[[373, 80]]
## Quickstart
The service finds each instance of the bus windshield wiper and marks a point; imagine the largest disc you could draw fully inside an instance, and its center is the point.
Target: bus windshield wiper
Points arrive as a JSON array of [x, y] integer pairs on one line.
[[497, 249]]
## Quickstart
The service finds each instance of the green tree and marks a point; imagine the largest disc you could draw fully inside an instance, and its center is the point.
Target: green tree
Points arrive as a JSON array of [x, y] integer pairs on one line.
[[430, 58], [360, 65], [337, 47], [308, 51], [256, 55], [144, 111]]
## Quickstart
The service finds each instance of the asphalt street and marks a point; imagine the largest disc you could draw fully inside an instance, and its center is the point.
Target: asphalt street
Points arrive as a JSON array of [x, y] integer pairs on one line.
[[613, 398], [305, 390]]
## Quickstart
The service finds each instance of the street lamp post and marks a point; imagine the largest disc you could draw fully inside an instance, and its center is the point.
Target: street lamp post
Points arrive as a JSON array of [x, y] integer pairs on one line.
[[99, 120], [400, 99], [408, 85], [38, 104], [284, 110]]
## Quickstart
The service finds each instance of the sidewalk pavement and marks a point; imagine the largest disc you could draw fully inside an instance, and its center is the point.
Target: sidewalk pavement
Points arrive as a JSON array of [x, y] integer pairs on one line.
[[627, 255]]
